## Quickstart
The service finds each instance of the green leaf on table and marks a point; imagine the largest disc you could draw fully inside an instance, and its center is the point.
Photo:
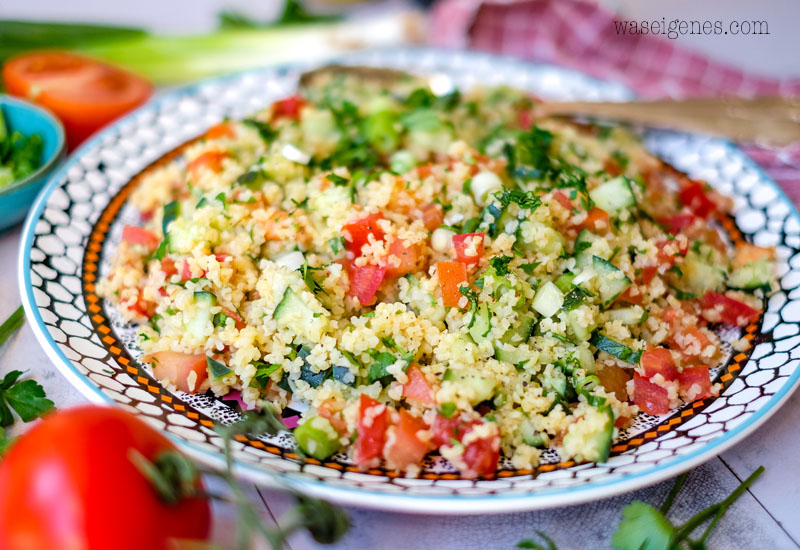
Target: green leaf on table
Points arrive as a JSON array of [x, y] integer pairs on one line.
[[530, 544], [26, 397], [642, 528]]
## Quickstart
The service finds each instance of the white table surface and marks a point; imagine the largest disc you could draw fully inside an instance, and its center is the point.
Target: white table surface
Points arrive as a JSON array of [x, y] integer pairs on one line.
[[764, 518]]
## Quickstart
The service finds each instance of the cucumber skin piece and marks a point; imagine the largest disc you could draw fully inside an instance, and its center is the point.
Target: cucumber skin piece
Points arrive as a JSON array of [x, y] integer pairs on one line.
[[584, 257], [614, 195], [751, 275], [292, 313], [317, 438], [597, 445], [510, 354], [548, 300], [616, 286], [482, 324]]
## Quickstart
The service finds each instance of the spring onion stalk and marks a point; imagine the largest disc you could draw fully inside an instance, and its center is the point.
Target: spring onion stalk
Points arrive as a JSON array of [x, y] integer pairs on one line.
[[174, 59]]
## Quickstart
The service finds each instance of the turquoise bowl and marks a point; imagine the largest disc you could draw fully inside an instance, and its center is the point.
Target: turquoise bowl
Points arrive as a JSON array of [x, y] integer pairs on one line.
[[27, 118]]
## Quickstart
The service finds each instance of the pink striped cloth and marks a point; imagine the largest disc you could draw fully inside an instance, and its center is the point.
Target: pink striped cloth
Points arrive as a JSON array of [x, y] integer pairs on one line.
[[581, 35]]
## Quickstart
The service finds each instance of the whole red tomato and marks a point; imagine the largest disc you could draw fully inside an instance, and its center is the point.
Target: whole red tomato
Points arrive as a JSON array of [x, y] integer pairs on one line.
[[69, 484]]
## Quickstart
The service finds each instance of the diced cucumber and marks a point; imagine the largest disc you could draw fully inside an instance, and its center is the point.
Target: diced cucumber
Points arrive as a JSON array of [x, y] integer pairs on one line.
[[548, 300], [564, 282], [510, 353], [583, 258], [612, 347], [586, 359], [614, 281], [482, 386], [628, 315], [751, 275], [201, 320], [294, 314], [530, 435], [555, 381], [317, 438], [522, 331], [481, 323], [701, 274], [613, 195], [575, 325], [593, 444]]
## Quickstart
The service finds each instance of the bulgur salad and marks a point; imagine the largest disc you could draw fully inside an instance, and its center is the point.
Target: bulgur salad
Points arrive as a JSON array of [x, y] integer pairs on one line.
[[427, 272]]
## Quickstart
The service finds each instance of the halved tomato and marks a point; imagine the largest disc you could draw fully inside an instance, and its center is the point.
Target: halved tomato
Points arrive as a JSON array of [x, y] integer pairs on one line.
[[85, 94], [178, 367]]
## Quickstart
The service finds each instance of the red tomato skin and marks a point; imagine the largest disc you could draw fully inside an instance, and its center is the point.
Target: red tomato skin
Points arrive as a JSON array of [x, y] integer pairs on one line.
[[69, 483], [451, 276], [365, 281], [659, 361], [699, 375], [417, 386], [186, 271], [356, 234], [678, 223], [460, 244], [651, 398], [371, 434], [480, 456], [733, 312], [694, 197], [648, 274], [133, 234]]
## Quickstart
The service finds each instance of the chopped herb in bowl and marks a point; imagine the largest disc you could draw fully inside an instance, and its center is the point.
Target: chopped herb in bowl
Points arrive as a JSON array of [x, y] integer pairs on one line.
[[20, 155]]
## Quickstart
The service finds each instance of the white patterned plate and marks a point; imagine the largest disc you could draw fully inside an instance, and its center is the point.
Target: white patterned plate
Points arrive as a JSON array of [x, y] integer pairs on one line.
[[77, 221]]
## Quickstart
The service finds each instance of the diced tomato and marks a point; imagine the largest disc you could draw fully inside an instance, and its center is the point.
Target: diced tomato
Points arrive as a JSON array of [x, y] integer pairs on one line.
[[668, 251], [596, 220], [142, 307], [480, 456], [695, 198], [288, 108], [659, 361], [717, 307], [177, 368], [221, 257], [424, 171], [365, 281], [614, 379], [746, 253], [356, 234], [432, 216], [651, 398], [406, 448], [331, 412], [237, 319], [417, 387], [409, 259], [690, 341], [133, 234], [168, 266], [221, 130], [563, 200], [678, 223], [463, 242], [696, 375], [451, 276], [186, 271], [631, 298], [648, 273], [372, 421], [210, 160], [525, 118]]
